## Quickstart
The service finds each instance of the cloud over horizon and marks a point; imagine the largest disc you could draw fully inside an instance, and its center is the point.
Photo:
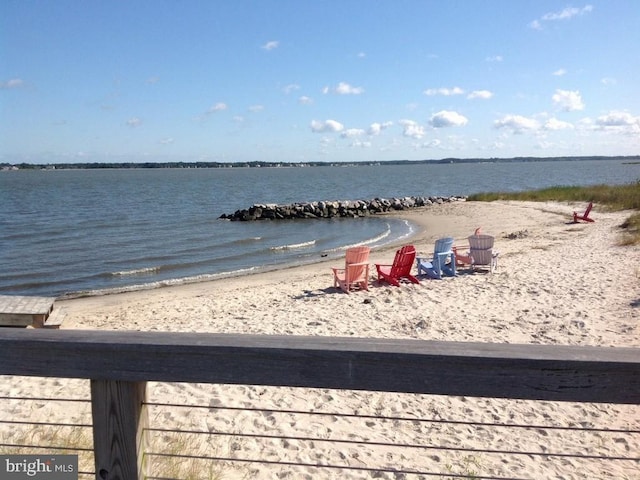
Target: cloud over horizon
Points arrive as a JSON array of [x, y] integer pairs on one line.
[[447, 118], [516, 123], [343, 88], [326, 126], [568, 100]]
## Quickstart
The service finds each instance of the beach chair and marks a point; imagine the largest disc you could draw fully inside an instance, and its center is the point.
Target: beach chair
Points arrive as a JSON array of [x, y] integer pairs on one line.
[[355, 273], [464, 259], [400, 269], [442, 252], [482, 253], [585, 215]]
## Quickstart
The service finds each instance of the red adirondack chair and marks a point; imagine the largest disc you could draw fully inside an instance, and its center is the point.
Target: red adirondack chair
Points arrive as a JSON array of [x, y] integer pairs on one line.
[[585, 215], [400, 269]]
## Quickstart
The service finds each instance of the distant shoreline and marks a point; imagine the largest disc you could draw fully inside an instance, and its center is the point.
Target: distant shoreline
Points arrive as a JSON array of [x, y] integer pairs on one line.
[[5, 166]]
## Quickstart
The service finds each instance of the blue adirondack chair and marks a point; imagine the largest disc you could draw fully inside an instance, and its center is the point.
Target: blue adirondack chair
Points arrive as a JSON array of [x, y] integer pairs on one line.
[[437, 266]]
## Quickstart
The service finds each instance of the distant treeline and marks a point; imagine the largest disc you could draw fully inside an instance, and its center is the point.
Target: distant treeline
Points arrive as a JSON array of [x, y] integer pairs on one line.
[[261, 164]]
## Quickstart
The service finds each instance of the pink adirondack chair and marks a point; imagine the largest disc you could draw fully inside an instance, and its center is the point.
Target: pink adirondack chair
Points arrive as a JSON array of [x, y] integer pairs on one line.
[[355, 273], [464, 259], [400, 269], [585, 215]]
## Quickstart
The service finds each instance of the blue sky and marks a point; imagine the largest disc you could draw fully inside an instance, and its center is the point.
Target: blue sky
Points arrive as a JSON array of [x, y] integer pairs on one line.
[[295, 81]]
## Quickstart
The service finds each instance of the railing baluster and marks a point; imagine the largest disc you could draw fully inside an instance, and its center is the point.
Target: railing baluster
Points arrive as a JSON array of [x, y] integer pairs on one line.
[[119, 426]]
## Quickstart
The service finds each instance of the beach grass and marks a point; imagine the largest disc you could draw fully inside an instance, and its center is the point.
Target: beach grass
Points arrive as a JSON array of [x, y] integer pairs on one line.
[[44, 439], [41, 439], [170, 462], [609, 197]]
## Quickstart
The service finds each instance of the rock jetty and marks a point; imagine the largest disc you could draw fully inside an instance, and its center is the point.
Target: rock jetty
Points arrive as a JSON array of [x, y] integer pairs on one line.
[[334, 208]]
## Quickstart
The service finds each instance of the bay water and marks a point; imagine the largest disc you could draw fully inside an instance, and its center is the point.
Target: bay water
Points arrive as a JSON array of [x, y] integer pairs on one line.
[[78, 232]]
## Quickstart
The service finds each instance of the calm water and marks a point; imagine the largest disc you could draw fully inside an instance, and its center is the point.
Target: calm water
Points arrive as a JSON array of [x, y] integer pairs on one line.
[[69, 231]]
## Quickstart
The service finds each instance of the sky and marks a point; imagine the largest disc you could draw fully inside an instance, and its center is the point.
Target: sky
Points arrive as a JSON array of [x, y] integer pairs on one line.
[[331, 81]]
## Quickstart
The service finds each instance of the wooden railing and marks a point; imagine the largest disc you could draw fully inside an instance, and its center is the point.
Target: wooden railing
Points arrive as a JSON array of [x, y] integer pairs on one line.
[[120, 363]]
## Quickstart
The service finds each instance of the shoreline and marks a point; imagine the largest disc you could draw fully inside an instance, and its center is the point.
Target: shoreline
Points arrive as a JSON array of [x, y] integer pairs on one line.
[[333, 256], [537, 228]]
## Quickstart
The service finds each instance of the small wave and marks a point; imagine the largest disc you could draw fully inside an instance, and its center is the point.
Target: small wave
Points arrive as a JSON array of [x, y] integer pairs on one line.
[[380, 237], [158, 284], [294, 246], [410, 230], [369, 241], [137, 271], [248, 240]]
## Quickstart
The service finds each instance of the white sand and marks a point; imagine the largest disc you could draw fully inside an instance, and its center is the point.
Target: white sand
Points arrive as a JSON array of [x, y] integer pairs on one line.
[[557, 283]]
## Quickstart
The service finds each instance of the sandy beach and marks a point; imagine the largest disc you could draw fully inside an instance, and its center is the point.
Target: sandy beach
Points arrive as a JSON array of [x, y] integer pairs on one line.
[[557, 283]]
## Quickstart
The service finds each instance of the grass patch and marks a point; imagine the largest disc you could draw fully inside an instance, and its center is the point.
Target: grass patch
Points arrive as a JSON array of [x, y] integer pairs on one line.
[[466, 469], [609, 197], [631, 225], [168, 461], [50, 440]]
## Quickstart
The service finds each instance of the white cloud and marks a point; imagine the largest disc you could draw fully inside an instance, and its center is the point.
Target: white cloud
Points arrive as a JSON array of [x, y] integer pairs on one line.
[[134, 122], [344, 88], [360, 143], [495, 58], [376, 128], [435, 143], [352, 132], [565, 14], [256, 108], [218, 107], [608, 81], [166, 141], [617, 118], [273, 44], [560, 72], [326, 141], [555, 124], [516, 123], [536, 25], [412, 129], [12, 83], [444, 91], [568, 100], [483, 94], [304, 100], [447, 118], [622, 122], [290, 88], [326, 126]]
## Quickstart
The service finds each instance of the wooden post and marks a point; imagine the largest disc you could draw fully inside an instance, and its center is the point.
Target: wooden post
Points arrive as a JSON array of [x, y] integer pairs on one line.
[[119, 426]]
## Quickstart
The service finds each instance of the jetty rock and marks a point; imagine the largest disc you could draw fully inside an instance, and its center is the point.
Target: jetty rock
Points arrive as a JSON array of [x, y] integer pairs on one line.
[[334, 208]]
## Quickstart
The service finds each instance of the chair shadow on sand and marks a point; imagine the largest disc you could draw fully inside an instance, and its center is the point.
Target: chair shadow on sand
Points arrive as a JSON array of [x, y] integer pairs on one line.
[[318, 292]]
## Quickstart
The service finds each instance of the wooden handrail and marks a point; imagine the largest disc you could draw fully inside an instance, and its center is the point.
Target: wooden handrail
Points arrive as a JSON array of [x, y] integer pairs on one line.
[[535, 372], [120, 363]]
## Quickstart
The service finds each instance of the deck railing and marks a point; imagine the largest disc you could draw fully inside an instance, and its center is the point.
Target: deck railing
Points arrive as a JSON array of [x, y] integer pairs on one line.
[[118, 365]]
